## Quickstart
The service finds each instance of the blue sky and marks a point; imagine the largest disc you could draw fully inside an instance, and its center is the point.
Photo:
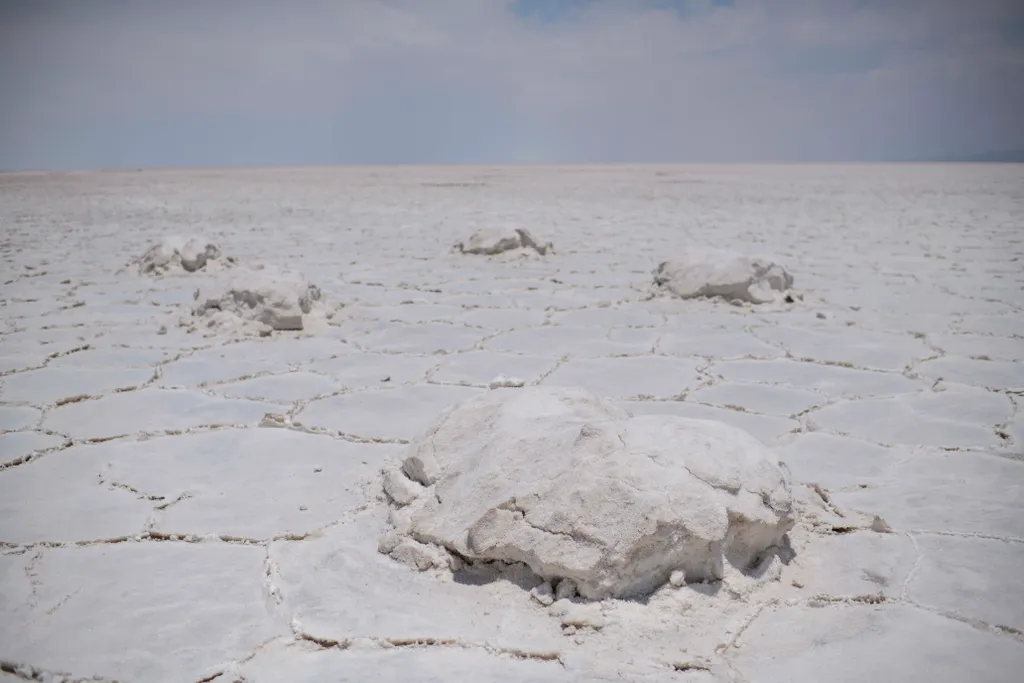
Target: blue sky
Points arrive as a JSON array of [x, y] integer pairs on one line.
[[551, 11], [141, 83]]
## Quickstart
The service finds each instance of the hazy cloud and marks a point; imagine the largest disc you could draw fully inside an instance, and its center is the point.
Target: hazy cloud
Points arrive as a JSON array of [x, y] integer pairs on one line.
[[144, 83]]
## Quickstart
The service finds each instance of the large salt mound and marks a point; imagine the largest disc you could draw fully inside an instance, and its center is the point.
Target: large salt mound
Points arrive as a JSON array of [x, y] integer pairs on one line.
[[493, 241], [577, 489], [260, 300], [183, 254], [717, 273]]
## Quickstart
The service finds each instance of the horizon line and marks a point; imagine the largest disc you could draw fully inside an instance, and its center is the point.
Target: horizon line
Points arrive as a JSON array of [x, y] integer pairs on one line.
[[507, 164]]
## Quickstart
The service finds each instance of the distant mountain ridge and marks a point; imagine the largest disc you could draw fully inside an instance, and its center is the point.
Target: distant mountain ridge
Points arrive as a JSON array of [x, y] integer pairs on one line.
[[1007, 156]]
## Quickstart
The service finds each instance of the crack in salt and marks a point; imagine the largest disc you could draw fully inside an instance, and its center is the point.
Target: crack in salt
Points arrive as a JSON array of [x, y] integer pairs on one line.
[[125, 487], [29, 672], [424, 642]]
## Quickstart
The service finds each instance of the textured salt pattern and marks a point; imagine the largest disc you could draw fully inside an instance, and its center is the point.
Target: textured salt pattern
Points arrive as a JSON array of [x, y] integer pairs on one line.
[[207, 505], [494, 241], [177, 254], [586, 495], [259, 301], [717, 273]]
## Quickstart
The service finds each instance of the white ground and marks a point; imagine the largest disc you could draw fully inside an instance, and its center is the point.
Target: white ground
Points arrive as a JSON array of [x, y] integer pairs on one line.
[[155, 526]]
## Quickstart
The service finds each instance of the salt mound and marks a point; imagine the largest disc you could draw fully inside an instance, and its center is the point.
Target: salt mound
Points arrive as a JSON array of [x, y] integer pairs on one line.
[[717, 273], [492, 241], [577, 489], [187, 254], [260, 300]]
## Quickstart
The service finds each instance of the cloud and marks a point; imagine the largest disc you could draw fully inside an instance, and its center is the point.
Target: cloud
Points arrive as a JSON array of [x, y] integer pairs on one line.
[[119, 82]]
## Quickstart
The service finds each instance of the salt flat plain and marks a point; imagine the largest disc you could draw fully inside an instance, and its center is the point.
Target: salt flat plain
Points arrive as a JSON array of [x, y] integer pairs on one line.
[[157, 526]]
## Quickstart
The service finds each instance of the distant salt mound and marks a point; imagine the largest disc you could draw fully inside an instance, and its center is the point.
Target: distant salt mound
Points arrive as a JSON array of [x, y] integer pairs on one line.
[[728, 275], [260, 300], [588, 497], [494, 241], [180, 254]]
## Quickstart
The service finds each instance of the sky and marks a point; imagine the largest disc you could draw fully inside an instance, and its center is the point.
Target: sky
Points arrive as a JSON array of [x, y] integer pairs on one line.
[[152, 83]]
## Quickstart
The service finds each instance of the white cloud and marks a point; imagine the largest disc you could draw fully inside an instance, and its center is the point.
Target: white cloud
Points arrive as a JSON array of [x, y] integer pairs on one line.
[[761, 80]]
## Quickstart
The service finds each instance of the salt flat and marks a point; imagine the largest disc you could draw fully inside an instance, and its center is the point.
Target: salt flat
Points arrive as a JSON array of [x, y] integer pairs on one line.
[[182, 505]]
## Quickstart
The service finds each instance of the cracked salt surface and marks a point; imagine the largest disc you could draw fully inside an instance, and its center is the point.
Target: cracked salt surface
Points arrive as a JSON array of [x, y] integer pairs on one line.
[[628, 377], [118, 610], [305, 663], [151, 411], [19, 446], [151, 530]]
